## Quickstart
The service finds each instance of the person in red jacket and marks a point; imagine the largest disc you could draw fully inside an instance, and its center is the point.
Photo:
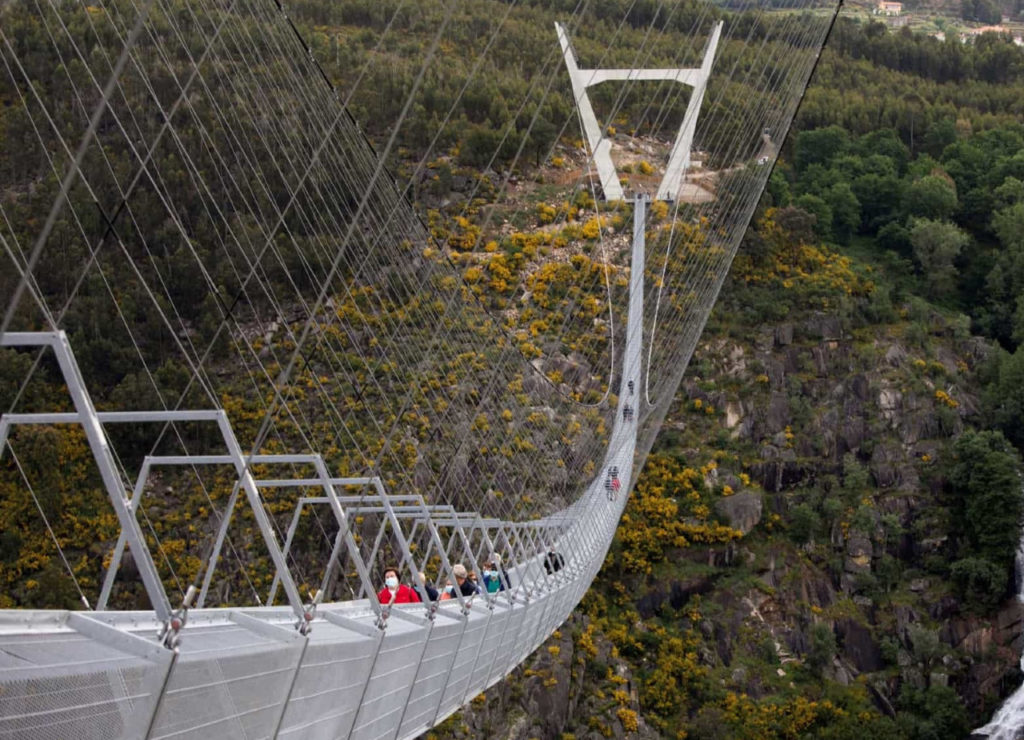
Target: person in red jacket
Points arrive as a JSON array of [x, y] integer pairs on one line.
[[395, 592]]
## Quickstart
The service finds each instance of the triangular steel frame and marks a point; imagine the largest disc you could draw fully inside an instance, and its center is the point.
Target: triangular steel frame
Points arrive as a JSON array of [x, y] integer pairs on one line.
[[601, 146], [93, 421]]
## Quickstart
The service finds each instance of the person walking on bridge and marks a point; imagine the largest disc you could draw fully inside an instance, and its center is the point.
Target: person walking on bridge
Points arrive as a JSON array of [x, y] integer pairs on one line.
[[427, 592], [495, 576], [395, 592], [462, 582]]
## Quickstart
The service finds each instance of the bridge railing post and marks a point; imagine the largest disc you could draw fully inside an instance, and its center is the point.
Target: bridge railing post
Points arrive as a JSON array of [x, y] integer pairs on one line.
[[99, 444]]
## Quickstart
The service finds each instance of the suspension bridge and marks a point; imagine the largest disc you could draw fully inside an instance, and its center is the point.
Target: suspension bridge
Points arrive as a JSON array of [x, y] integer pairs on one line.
[[242, 373]]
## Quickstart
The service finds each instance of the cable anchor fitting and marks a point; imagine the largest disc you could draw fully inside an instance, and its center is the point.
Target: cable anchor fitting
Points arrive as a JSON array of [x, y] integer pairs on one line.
[[170, 633], [305, 623], [382, 618]]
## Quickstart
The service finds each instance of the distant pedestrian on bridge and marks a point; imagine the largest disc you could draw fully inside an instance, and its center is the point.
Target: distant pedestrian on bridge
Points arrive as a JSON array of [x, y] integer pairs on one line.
[[395, 592], [611, 483], [553, 562]]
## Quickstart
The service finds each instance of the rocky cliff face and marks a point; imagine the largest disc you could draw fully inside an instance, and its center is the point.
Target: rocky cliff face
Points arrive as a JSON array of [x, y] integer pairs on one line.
[[828, 439], [889, 399], [553, 691]]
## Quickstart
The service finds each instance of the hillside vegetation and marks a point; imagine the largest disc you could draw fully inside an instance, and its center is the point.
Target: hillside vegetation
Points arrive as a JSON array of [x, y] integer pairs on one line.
[[822, 543]]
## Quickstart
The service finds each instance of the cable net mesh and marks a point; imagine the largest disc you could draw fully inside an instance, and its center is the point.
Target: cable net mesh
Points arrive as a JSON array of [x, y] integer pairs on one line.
[[238, 693], [188, 194], [79, 689]]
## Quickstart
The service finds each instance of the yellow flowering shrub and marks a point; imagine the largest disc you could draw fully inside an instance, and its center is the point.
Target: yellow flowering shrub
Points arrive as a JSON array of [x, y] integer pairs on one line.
[[669, 508], [812, 271]]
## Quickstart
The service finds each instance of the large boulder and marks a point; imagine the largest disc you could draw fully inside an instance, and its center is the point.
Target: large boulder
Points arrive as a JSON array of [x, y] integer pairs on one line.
[[741, 510], [783, 335], [895, 355], [778, 416], [1010, 624], [858, 553], [859, 646], [885, 465]]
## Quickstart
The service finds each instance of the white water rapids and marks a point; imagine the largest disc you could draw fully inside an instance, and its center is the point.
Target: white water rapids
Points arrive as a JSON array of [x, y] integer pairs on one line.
[[1008, 721]]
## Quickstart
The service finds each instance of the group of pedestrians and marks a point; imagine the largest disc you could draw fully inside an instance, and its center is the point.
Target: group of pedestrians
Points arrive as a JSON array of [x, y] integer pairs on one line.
[[495, 578]]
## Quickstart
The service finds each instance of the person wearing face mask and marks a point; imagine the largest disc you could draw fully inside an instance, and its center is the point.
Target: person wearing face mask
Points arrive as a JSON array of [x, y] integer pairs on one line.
[[495, 577], [448, 592], [395, 592]]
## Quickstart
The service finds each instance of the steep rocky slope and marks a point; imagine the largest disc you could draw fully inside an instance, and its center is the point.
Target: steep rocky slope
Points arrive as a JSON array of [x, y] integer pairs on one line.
[[821, 441]]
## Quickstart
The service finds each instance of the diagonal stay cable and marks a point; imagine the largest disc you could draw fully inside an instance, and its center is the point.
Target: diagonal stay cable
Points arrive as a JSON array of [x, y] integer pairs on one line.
[[377, 173], [46, 521], [74, 168]]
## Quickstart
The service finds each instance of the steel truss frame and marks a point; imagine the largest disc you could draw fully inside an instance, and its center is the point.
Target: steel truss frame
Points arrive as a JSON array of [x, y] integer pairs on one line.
[[600, 145]]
